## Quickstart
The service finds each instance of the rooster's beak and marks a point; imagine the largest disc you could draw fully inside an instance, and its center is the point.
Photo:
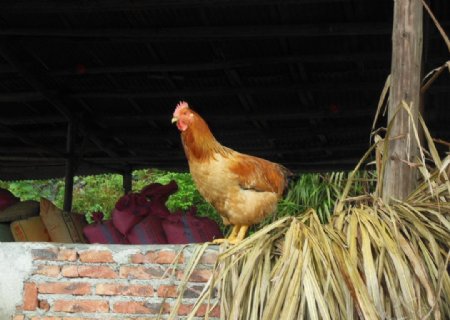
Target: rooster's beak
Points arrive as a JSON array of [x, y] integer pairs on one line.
[[174, 119]]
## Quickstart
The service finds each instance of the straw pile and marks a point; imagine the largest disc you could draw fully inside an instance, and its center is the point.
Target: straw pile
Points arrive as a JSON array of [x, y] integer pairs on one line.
[[373, 260]]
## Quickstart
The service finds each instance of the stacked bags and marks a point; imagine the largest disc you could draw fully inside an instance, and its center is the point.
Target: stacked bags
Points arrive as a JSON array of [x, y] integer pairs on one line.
[[143, 218], [103, 231], [38, 221], [20, 221], [186, 227]]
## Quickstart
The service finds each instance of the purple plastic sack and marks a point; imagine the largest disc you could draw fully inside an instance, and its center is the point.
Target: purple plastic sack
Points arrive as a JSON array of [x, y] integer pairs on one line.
[[103, 232], [129, 210], [181, 228], [148, 231]]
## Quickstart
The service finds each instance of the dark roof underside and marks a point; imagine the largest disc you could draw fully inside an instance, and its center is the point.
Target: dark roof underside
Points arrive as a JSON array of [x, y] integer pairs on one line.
[[296, 82]]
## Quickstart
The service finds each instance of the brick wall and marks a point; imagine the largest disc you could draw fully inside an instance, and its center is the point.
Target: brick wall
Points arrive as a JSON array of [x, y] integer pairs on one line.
[[81, 282]]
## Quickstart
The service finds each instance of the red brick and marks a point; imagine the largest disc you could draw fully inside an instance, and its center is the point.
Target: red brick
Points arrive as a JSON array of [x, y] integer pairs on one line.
[[45, 254], [157, 257], [213, 311], [186, 309], [48, 271], [110, 289], [141, 258], [103, 272], [202, 275], [79, 306], [141, 318], [75, 288], [30, 296], [60, 318], [67, 255], [193, 292], [167, 291], [100, 256], [44, 305], [209, 257], [77, 318], [70, 271], [142, 272], [134, 307]]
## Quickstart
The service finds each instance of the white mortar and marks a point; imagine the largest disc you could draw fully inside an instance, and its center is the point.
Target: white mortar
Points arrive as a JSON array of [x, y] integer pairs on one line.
[[15, 267]]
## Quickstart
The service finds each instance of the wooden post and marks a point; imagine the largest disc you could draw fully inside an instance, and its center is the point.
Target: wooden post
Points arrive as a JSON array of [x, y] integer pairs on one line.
[[70, 167], [127, 181], [407, 37]]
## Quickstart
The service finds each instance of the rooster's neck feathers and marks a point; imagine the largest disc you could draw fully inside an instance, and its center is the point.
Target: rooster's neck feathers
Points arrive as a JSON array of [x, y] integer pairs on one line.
[[199, 142]]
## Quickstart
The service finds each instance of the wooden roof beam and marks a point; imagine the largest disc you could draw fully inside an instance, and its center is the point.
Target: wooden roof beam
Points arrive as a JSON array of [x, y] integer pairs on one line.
[[179, 156], [34, 78], [205, 33], [24, 138], [219, 65], [9, 52], [66, 6], [372, 86], [257, 116], [216, 91]]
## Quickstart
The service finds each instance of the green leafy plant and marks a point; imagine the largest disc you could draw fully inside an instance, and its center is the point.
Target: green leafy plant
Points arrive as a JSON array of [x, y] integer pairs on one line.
[[320, 191], [101, 192], [52, 189], [186, 196]]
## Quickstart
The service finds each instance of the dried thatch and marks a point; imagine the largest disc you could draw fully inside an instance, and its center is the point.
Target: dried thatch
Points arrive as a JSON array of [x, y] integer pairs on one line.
[[373, 260]]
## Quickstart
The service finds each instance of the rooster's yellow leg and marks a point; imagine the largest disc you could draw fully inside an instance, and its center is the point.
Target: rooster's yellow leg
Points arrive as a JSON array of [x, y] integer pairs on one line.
[[241, 235], [234, 232], [232, 237]]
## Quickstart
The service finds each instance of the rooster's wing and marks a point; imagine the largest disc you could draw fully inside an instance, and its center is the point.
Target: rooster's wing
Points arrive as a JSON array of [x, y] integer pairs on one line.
[[258, 174]]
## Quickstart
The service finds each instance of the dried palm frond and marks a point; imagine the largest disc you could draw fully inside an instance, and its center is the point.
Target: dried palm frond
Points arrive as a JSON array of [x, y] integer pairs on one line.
[[373, 260]]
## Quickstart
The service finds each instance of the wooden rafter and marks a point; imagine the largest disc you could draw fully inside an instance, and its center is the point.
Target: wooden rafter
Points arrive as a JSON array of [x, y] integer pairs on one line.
[[205, 33], [35, 78], [60, 6]]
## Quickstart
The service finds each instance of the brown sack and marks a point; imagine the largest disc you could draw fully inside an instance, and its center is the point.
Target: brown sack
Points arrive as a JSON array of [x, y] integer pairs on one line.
[[63, 227], [19, 211], [31, 229]]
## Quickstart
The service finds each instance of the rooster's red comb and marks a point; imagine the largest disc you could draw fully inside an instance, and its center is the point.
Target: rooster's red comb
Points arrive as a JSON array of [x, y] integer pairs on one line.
[[180, 106]]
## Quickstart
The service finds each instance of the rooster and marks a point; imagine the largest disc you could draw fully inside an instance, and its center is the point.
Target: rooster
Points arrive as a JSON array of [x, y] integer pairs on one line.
[[242, 188]]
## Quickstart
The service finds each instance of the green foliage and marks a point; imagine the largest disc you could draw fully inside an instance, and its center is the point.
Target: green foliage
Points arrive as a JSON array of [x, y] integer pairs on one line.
[[186, 196], [97, 193], [320, 192], [101, 192], [52, 189]]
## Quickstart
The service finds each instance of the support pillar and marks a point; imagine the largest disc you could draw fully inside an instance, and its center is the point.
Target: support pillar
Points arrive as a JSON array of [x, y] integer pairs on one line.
[[407, 37], [127, 176], [70, 167]]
